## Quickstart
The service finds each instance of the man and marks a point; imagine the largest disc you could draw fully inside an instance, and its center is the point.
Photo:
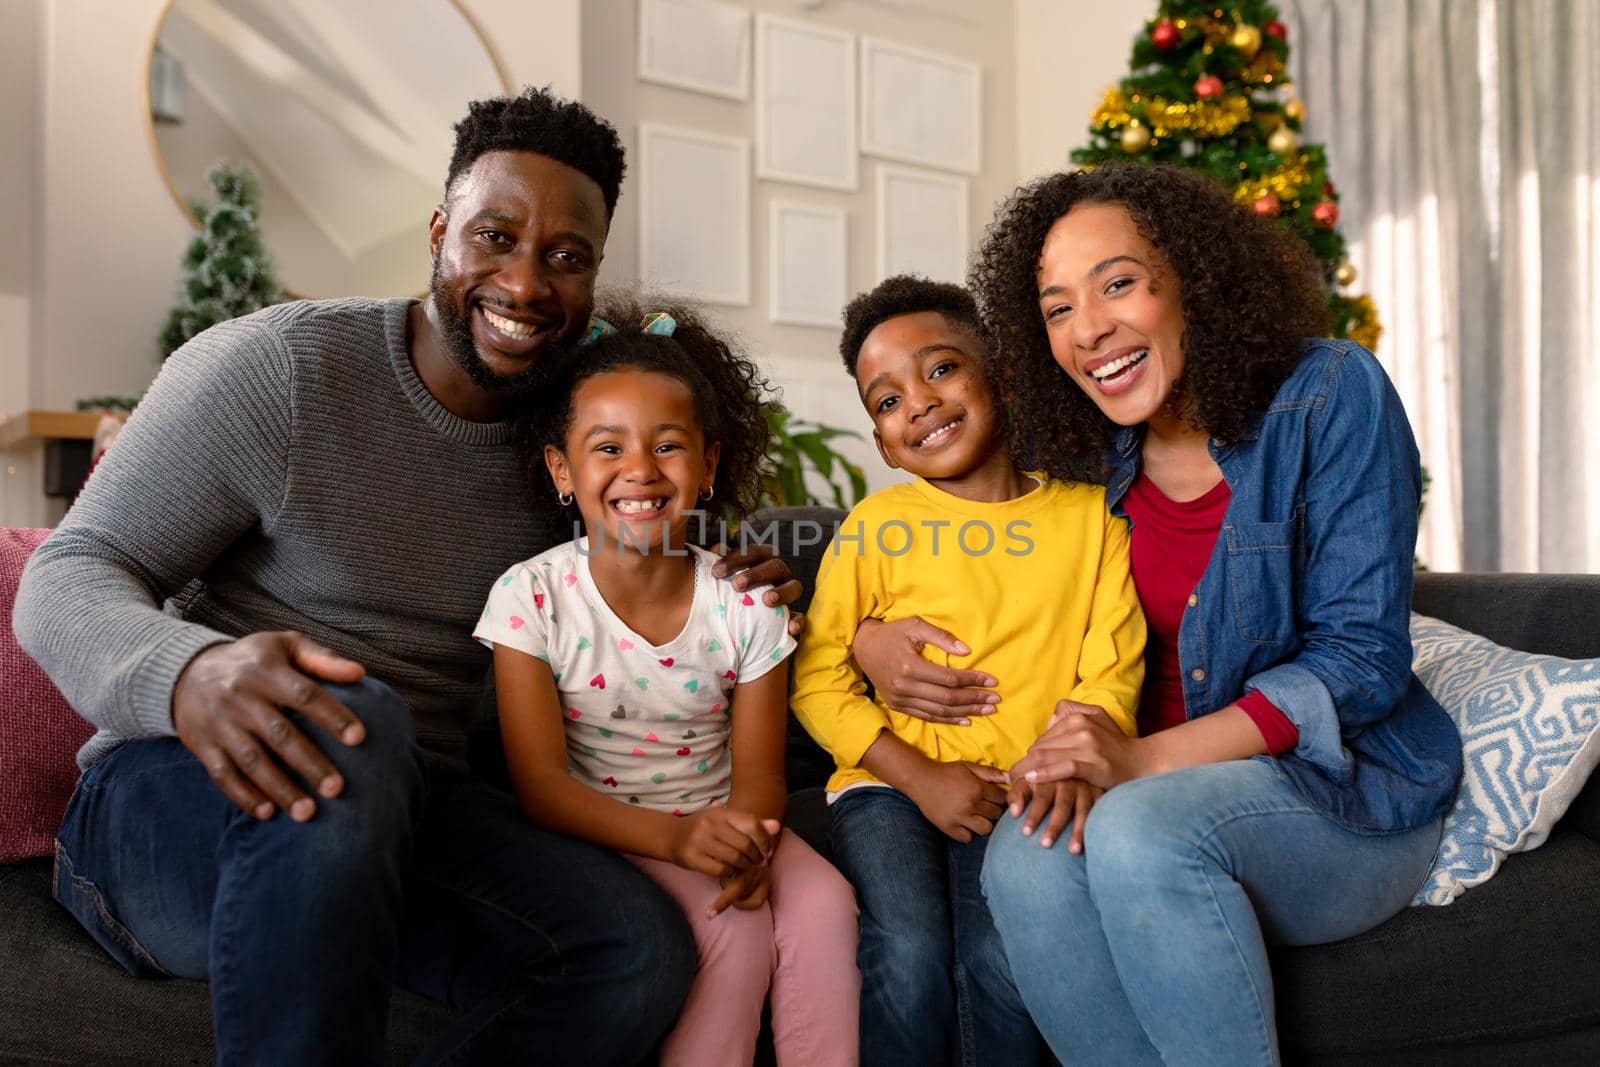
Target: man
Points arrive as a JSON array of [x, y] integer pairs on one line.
[[320, 494]]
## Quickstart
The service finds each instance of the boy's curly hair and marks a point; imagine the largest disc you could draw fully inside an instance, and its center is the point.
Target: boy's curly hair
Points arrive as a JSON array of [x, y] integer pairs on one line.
[[728, 390], [538, 121], [903, 294], [1248, 288]]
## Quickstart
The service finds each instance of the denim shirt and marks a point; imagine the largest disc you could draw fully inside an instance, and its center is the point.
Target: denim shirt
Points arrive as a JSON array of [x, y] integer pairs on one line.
[[1307, 595]]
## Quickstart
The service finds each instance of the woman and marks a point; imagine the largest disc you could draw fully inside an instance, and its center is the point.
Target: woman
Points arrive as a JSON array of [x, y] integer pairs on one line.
[[1290, 776]]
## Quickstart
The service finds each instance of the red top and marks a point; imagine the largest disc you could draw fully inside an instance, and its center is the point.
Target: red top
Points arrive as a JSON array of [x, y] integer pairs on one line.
[[1170, 546]]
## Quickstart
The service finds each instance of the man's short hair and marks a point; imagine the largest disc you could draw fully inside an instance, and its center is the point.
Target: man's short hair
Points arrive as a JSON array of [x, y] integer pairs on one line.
[[538, 121], [904, 294]]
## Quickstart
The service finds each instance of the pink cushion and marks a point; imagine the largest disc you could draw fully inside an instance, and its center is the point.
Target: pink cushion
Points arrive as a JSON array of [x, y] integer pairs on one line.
[[39, 733]]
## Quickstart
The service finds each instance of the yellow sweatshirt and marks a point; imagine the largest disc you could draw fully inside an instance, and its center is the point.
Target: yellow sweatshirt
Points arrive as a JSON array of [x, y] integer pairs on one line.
[[1038, 588]]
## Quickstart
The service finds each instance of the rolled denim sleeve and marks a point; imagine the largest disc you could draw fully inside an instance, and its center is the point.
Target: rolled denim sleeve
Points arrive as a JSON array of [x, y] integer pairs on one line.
[[1302, 698], [1361, 487]]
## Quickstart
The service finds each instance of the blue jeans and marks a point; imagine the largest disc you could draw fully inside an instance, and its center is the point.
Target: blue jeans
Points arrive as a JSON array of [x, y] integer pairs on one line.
[[544, 943], [1150, 947], [935, 988]]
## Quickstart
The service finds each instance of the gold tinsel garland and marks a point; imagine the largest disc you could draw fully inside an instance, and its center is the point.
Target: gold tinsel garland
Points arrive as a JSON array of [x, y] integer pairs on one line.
[[1364, 328], [1265, 69], [1284, 182], [1165, 117]]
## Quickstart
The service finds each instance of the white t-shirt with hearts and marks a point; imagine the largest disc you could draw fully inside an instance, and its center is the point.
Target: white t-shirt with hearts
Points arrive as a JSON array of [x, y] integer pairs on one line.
[[648, 724]]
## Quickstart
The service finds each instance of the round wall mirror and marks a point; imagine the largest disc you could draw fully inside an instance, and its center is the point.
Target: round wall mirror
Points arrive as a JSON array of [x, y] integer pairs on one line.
[[343, 109]]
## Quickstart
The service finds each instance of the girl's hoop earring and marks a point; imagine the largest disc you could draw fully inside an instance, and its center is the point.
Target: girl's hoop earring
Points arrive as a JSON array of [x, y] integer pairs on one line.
[[564, 499], [709, 493]]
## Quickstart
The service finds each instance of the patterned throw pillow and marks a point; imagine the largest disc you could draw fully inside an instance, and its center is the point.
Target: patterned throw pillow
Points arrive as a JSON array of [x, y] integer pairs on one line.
[[1530, 731]]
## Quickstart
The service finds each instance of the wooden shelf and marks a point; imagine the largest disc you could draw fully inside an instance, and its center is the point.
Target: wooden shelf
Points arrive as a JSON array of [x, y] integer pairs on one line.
[[48, 426]]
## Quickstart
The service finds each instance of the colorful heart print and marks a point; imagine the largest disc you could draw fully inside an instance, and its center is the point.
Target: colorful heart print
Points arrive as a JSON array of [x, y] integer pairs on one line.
[[598, 681], [518, 622], [625, 644], [665, 662]]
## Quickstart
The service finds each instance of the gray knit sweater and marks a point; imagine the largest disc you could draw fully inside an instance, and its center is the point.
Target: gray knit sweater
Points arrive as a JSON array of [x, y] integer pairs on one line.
[[286, 471]]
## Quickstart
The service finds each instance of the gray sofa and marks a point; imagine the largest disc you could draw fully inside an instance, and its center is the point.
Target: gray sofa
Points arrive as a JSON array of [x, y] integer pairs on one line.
[[1509, 974]]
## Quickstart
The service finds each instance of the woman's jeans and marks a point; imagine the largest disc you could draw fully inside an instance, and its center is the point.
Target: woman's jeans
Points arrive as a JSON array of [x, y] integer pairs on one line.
[[550, 947], [1150, 946], [935, 988]]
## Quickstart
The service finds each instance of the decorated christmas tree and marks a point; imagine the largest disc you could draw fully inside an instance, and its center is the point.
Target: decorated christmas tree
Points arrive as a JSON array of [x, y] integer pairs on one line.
[[1209, 90], [226, 269]]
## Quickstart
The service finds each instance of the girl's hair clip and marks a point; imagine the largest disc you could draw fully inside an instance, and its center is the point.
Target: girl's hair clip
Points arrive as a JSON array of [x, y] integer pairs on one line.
[[598, 328], [659, 323], [656, 322]]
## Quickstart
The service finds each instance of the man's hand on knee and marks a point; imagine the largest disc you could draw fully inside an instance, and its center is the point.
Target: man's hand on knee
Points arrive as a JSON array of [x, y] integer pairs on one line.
[[229, 709]]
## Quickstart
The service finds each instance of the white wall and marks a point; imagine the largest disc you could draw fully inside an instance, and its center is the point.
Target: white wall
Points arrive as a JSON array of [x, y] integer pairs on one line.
[[99, 272], [1067, 53], [804, 360], [94, 243]]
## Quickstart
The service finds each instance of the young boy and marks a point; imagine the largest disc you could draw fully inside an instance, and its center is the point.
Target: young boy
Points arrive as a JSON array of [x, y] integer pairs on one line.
[[1034, 575]]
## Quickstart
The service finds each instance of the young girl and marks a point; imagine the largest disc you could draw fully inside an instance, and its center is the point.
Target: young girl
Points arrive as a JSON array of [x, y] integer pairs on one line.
[[643, 703]]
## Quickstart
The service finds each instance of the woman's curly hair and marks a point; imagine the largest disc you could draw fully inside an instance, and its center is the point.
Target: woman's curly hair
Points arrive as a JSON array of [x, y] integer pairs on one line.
[[1248, 289], [728, 391]]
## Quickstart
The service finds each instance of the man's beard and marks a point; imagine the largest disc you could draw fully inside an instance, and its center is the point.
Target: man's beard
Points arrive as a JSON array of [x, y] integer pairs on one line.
[[463, 350]]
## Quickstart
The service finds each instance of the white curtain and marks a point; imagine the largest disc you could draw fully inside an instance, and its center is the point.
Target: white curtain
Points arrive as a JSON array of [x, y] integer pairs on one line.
[[1464, 137]]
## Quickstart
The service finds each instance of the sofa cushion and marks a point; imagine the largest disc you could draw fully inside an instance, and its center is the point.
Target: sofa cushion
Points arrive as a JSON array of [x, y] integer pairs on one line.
[[64, 1001], [1530, 728], [39, 734], [1516, 958]]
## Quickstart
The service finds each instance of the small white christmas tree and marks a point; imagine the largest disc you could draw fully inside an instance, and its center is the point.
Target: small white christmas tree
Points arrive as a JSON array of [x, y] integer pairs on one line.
[[226, 269]]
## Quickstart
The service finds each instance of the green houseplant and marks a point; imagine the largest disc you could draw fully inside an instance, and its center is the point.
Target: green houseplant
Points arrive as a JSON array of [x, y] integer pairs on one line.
[[800, 448]]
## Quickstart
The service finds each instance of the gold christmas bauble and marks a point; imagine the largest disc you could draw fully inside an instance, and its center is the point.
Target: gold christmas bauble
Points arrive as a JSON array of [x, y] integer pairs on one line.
[[1295, 109], [1246, 39], [1135, 138], [1344, 273], [1283, 141]]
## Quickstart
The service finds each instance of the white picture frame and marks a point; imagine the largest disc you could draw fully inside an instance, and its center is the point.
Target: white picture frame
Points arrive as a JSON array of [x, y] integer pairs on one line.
[[699, 45], [922, 224], [694, 214], [808, 255], [921, 107], [805, 104]]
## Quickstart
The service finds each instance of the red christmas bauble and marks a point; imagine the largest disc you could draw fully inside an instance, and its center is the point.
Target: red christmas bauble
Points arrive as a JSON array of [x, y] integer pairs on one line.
[[1267, 204], [1208, 87], [1326, 213], [1327, 188], [1277, 29], [1164, 35]]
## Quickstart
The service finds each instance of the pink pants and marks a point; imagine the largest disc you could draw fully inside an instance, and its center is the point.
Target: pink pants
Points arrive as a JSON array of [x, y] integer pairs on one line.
[[801, 944]]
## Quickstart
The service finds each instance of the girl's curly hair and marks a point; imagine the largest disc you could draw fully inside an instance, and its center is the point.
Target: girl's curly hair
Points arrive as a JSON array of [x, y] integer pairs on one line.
[[727, 387], [1248, 289]]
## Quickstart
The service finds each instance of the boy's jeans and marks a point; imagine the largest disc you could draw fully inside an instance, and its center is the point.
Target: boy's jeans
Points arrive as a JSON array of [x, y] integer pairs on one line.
[[545, 943], [935, 988]]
